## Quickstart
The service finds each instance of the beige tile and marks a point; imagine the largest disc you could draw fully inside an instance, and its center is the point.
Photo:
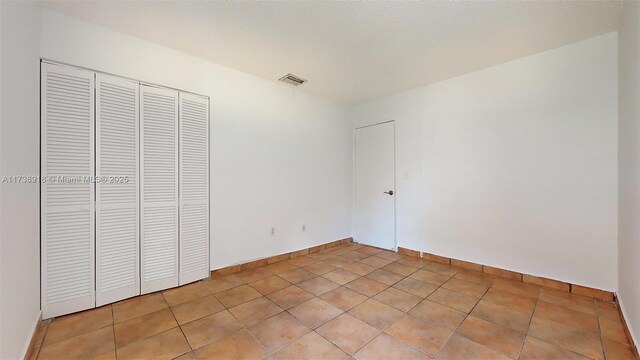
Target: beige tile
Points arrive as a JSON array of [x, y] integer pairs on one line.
[[109, 355], [188, 356], [389, 255], [426, 336], [280, 267], [415, 287], [310, 347], [216, 285], [366, 287], [166, 345], [613, 330], [385, 277], [84, 346], [429, 277], [579, 341], [517, 288], [255, 274], [535, 349], [438, 314], [270, 284], [254, 311], [465, 287], [503, 316], [337, 261], [211, 328], [348, 333], [413, 262], [607, 310], [570, 301], [441, 268], [355, 255], [376, 313], [318, 286], [386, 347], [278, 331], [185, 293], [568, 317], [511, 301], [359, 268], [290, 297], [315, 312], [343, 298], [238, 295], [297, 275], [617, 351], [196, 309], [302, 261], [376, 261], [459, 347], [369, 250], [501, 339], [453, 300], [240, 345], [68, 326], [476, 277], [138, 306], [398, 299], [143, 326], [320, 268], [341, 276], [397, 268]]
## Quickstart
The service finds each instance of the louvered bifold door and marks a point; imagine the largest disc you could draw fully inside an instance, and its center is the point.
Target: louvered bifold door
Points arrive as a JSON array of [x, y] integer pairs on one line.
[[117, 233], [67, 190], [159, 188], [194, 188]]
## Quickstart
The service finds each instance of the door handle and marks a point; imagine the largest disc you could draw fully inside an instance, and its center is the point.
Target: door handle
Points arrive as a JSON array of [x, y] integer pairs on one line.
[[390, 192]]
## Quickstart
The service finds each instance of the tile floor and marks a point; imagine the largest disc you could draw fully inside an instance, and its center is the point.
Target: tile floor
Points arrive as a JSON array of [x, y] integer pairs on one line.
[[350, 301]]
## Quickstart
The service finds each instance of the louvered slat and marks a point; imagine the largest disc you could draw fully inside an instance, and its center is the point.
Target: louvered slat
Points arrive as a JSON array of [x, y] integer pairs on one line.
[[159, 188], [194, 188], [117, 235], [67, 217]]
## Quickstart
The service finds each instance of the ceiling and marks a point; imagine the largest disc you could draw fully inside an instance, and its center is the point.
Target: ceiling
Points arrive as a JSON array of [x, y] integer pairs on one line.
[[354, 51]]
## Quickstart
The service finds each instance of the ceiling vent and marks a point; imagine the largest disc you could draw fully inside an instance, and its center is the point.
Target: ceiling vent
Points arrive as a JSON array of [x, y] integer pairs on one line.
[[293, 80]]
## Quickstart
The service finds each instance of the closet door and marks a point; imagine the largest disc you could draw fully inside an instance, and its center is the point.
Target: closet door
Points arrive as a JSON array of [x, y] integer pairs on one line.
[[67, 191], [159, 190], [194, 188], [117, 233]]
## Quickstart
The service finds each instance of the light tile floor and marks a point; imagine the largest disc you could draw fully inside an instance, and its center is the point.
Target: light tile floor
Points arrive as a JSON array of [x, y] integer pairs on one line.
[[350, 301]]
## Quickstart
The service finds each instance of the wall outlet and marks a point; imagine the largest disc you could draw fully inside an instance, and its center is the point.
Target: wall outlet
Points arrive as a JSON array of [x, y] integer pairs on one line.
[[273, 231], [304, 227]]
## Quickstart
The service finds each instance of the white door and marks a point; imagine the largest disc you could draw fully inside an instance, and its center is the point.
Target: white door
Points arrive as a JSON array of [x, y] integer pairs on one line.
[[117, 241], [67, 190], [159, 188], [375, 185], [194, 188]]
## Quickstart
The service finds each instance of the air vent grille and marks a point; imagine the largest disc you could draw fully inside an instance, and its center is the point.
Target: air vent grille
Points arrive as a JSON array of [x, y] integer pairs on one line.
[[293, 79]]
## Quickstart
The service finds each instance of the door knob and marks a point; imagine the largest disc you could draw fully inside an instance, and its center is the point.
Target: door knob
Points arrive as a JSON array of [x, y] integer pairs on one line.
[[390, 192]]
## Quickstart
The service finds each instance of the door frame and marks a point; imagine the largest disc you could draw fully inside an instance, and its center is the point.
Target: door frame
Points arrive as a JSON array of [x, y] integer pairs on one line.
[[354, 180]]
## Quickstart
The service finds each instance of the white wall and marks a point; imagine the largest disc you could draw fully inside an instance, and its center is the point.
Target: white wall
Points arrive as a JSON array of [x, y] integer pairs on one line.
[[629, 167], [279, 157], [19, 155], [518, 164]]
